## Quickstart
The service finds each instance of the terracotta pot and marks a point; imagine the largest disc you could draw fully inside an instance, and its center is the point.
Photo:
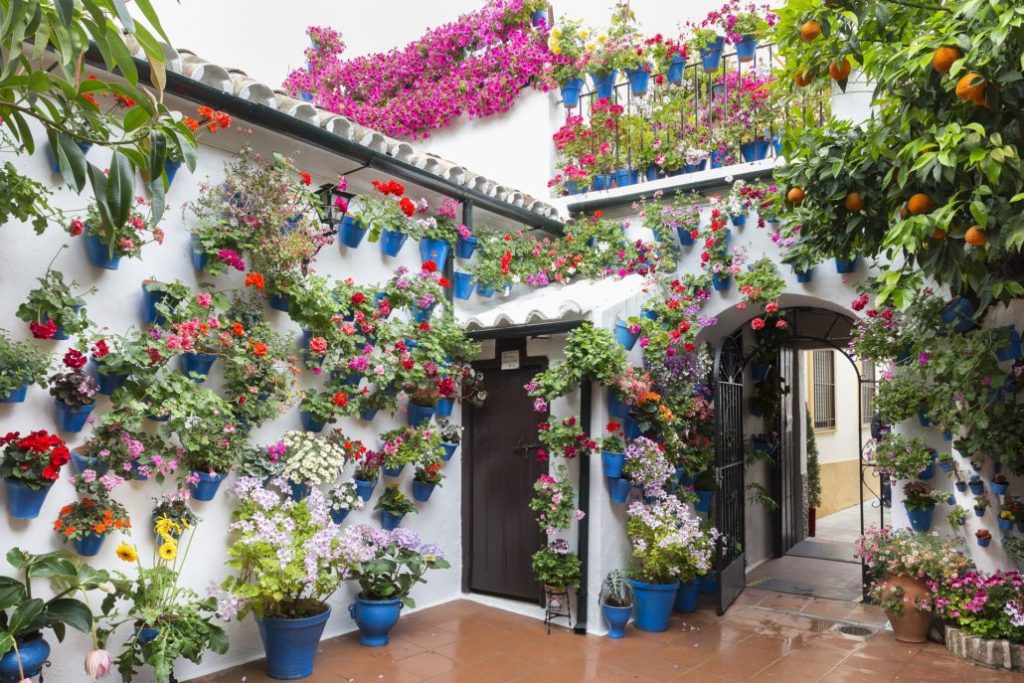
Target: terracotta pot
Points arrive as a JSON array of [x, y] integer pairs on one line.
[[913, 625]]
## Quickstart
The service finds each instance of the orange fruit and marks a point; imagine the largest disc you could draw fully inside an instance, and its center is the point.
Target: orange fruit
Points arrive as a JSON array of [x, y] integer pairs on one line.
[[810, 31], [803, 78], [945, 57], [920, 203], [972, 89], [840, 71], [854, 202], [795, 195], [975, 236], [939, 234]]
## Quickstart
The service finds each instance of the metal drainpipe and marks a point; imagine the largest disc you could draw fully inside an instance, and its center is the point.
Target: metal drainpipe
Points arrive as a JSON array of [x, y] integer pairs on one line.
[[583, 526]]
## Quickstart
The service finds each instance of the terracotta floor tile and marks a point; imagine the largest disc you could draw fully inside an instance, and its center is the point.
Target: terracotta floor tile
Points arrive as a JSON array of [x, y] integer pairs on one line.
[[784, 601], [462, 675], [875, 666], [426, 664], [834, 609], [502, 668]]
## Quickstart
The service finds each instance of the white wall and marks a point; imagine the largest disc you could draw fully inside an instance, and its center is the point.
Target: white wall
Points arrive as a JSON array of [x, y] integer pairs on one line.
[[116, 307], [839, 444]]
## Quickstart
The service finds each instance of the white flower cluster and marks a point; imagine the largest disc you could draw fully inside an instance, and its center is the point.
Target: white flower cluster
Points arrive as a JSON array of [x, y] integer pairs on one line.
[[345, 497], [309, 459]]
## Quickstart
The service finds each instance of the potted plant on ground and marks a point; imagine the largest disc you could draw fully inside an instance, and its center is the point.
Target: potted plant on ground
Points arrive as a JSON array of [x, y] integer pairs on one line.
[[694, 568], [556, 568], [984, 605], [289, 560], [30, 465], [309, 461], [343, 499], [616, 602], [52, 310], [74, 392], [393, 506], [386, 565], [22, 364]]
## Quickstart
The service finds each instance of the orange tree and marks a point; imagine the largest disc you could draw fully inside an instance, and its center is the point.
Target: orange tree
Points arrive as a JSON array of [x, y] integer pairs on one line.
[[931, 185]]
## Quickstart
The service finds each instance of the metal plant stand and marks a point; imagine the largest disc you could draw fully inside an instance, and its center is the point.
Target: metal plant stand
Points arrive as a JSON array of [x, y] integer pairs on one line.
[[556, 606]]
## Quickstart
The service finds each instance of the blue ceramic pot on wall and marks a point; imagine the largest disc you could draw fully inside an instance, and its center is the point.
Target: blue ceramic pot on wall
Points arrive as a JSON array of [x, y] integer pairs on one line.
[[463, 285], [197, 365], [804, 276], [618, 489], [445, 406], [389, 521], [676, 69], [711, 56], [418, 415], [150, 299], [51, 157], [845, 267], [81, 463], [639, 80], [571, 92], [291, 644], [89, 545], [624, 336], [15, 395], [206, 488], [465, 246], [421, 490], [604, 85], [391, 242], [24, 502], [352, 232], [30, 659], [434, 250], [100, 255], [375, 619], [197, 255], [704, 498], [310, 423], [612, 464], [721, 284], [652, 604], [364, 489], [449, 450], [921, 519], [602, 181], [338, 516], [70, 419]]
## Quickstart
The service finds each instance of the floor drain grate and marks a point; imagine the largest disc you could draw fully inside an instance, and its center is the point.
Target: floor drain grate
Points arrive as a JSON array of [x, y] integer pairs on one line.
[[851, 630]]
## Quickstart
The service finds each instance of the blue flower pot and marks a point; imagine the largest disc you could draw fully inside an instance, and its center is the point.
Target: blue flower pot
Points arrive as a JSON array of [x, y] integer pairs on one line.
[[976, 485], [618, 490], [392, 471], [485, 291], [571, 92], [82, 463], [631, 428], [683, 477], [146, 634], [434, 250], [746, 49], [961, 486], [338, 516], [310, 423], [89, 545], [206, 488], [651, 172], [979, 512], [463, 285], [171, 169], [197, 365], [421, 490], [538, 18], [999, 489], [984, 542], [844, 267], [445, 406], [612, 464], [15, 395], [375, 619], [715, 159], [150, 300], [639, 80], [449, 450], [947, 436], [465, 246], [418, 415], [368, 415], [804, 276], [627, 176], [951, 500], [99, 253], [279, 302], [711, 56], [389, 521], [721, 284], [928, 472], [32, 653], [603, 181], [685, 237], [624, 337], [754, 151], [652, 604], [299, 491], [704, 499], [391, 242], [291, 644], [686, 596], [616, 618], [572, 187], [959, 312], [709, 584], [364, 489], [1005, 524], [604, 85], [55, 165], [24, 502], [352, 232], [676, 69], [72, 420], [946, 466], [197, 255], [921, 520], [739, 220], [108, 383]]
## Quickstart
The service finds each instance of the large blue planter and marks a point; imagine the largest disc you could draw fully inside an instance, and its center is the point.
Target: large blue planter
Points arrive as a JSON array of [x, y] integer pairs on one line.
[[465, 246], [99, 253], [721, 284], [197, 365], [15, 395], [310, 423], [81, 463], [604, 85], [197, 255], [571, 92], [845, 267], [449, 450], [755, 151], [390, 521], [391, 242], [364, 488], [612, 464], [434, 250], [418, 415], [445, 406], [618, 489], [352, 232], [89, 545], [421, 490], [291, 644], [616, 408], [624, 337], [108, 383], [1012, 347], [675, 69], [959, 312], [746, 49], [639, 80], [72, 419], [616, 618], [206, 488], [375, 619], [686, 596], [711, 56], [804, 276], [652, 604], [921, 520], [24, 502], [338, 516], [463, 285], [602, 181], [32, 653], [704, 498]]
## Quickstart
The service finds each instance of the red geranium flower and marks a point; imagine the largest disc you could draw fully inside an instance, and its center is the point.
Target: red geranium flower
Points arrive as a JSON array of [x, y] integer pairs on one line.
[[44, 330], [407, 206], [430, 266], [340, 399], [358, 298], [255, 280], [74, 359], [306, 178]]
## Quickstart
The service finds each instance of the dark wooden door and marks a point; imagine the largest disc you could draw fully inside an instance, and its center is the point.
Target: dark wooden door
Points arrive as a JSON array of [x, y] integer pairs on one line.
[[500, 470]]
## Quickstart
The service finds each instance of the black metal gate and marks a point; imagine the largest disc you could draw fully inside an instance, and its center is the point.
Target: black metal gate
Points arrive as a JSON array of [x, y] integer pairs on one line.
[[730, 559], [790, 528]]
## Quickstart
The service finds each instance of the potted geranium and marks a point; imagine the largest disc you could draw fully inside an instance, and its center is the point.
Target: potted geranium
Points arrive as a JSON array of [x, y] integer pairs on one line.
[[289, 561], [901, 457], [110, 236], [118, 444], [613, 449], [367, 473], [310, 461], [616, 602], [259, 374], [87, 522], [386, 565], [74, 392], [53, 310], [343, 499], [393, 506], [385, 214], [428, 477], [437, 233], [406, 446], [919, 499], [30, 465], [22, 364], [450, 435], [556, 568], [647, 467]]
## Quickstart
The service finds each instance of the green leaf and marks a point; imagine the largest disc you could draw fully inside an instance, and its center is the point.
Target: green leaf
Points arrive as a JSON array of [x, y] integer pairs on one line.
[[72, 612], [66, 11], [120, 188], [26, 613], [124, 15], [71, 160]]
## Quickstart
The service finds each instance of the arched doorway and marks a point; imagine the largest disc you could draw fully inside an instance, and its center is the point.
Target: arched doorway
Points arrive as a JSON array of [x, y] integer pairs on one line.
[[773, 357]]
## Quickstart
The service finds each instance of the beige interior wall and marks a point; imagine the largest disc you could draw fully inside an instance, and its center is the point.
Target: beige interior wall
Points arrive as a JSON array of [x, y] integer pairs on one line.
[[839, 481]]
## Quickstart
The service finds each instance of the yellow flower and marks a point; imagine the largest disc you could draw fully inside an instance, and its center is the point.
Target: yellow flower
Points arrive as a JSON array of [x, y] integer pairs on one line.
[[166, 527], [591, 47], [126, 552], [584, 33], [602, 39], [556, 50], [168, 551], [556, 32]]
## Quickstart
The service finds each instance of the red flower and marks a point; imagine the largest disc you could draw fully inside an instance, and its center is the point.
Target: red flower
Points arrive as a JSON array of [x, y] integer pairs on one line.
[[306, 178], [430, 267], [340, 399], [860, 302], [74, 359], [425, 326], [407, 206], [259, 349], [237, 330], [318, 345], [506, 263], [77, 227], [772, 307], [358, 298], [598, 213], [408, 363], [43, 330], [255, 280], [444, 282], [154, 356], [612, 426], [689, 347], [757, 323], [100, 349]]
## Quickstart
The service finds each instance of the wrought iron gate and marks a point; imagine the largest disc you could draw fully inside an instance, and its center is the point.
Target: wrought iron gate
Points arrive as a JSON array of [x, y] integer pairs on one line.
[[790, 519], [730, 559]]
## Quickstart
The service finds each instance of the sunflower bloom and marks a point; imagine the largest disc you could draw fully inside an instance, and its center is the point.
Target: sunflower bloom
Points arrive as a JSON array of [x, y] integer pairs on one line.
[[126, 552], [168, 551]]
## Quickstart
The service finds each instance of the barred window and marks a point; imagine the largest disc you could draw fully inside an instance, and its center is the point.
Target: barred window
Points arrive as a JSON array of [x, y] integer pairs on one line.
[[867, 390], [823, 364]]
